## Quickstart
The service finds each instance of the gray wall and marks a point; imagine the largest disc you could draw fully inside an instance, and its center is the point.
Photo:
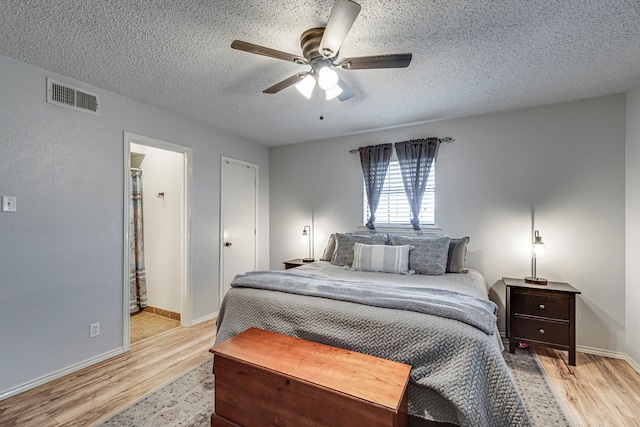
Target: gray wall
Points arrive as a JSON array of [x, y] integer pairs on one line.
[[61, 254], [633, 225], [559, 168]]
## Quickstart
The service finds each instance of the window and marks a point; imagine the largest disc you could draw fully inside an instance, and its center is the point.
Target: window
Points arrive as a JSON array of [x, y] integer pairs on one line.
[[393, 208]]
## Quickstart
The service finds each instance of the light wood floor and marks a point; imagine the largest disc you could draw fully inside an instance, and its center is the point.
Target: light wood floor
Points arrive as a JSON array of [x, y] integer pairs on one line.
[[91, 394], [144, 325], [598, 391]]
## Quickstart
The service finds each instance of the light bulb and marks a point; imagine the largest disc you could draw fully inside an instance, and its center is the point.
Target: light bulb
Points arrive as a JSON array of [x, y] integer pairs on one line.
[[306, 86], [327, 78]]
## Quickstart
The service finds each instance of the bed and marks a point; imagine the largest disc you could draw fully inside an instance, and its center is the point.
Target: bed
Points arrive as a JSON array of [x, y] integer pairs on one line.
[[458, 374]]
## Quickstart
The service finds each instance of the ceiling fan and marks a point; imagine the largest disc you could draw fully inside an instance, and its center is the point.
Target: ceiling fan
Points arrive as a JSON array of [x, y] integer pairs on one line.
[[320, 49]]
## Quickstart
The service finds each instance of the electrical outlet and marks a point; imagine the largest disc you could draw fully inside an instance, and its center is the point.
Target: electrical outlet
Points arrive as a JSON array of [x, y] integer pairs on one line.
[[94, 330]]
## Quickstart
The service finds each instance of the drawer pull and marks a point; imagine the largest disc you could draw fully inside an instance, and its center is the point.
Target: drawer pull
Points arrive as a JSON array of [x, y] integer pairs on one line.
[[542, 306], [541, 331]]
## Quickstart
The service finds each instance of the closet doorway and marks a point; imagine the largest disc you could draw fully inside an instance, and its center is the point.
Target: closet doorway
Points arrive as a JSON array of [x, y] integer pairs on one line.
[[156, 273]]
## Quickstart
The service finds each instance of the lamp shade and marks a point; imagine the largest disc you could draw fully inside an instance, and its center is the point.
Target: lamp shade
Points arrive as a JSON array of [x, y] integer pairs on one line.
[[306, 85], [538, 250], [306, 235], [332, 93]]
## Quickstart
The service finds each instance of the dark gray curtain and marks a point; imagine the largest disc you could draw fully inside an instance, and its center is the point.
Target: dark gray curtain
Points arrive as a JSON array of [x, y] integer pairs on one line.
[[137, 271], [415, 159], [375, 162]]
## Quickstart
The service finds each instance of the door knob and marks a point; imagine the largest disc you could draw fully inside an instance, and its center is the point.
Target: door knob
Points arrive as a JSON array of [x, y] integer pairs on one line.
[[227, 243]]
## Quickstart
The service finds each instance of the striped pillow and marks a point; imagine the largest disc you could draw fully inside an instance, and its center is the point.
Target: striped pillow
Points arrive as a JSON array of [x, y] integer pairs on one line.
[[382, 258]]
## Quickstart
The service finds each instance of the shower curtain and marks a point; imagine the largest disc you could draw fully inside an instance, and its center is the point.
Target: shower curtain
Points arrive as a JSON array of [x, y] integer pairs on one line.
[[137, 277]]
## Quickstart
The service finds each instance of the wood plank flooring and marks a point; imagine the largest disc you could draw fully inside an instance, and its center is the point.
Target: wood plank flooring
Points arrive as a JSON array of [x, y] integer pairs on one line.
[[144, 325], [91, 394], [599, 391]]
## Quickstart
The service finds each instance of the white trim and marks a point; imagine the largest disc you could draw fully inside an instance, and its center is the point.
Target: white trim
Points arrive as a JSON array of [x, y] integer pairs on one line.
[[601, 352], [255, 219], [205, 318], [611, 354], [60, 373], [186, 286], [635, 365]]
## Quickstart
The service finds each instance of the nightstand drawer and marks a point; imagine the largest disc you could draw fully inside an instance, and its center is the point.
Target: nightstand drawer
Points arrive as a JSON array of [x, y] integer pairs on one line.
[[542, 330], [542, 303]]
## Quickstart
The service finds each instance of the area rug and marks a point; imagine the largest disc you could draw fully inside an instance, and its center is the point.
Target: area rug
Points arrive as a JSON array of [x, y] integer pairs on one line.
[[188, 400]]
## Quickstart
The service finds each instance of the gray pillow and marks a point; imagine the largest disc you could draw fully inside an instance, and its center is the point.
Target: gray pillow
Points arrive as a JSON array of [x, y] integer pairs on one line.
[[456, 256], [381, 258], [429, 255], [343, 255], [329, 249]]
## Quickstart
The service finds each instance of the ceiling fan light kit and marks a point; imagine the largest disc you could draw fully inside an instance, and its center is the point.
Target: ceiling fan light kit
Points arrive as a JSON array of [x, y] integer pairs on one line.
[[320, 49], [327, 78], [333, 92], [306, 85]]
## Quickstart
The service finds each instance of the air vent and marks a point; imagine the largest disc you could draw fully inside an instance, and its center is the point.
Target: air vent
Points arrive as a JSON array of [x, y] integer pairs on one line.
[[64, 95]]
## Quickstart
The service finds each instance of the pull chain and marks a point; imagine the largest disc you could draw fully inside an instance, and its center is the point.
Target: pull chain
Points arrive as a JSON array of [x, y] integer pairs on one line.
[[321, 116]]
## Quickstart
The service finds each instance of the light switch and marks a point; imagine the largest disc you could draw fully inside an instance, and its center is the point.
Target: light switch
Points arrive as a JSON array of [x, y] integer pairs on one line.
[[8, 203]]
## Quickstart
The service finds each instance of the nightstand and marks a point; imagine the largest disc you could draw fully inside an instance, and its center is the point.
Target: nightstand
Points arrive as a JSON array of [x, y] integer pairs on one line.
[[542, 314], [293, 263]]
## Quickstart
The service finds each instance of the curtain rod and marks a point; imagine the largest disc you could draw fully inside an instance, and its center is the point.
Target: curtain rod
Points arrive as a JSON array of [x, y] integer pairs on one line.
[[447, 139]]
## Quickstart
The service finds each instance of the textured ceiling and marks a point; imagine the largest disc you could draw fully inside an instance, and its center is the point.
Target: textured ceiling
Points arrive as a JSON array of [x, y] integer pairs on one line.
[[469, 57]]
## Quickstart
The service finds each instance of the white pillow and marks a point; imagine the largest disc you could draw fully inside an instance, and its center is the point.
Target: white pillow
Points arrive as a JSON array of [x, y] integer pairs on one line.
[[381, 258], [329, 249]]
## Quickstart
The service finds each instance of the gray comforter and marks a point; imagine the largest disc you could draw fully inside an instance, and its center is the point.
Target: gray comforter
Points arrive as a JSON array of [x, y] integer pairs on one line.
[[458, 374]]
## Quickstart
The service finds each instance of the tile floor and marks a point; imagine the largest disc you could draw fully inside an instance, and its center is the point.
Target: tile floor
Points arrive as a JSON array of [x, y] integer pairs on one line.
[[144, 325]]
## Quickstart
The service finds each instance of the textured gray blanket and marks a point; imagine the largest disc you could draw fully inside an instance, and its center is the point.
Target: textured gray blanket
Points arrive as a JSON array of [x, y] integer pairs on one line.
[[439, 302], [458, 373]]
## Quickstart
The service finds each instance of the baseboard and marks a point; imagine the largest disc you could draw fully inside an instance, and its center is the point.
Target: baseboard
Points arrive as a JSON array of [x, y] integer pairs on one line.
[[635, 365], [61, 373], [612, 354], [596, 352], [161, 312], [600, 352], [205, 318]]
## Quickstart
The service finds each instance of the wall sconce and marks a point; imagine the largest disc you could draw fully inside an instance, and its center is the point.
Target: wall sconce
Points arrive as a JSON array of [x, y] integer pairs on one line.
[[538, 250], [306, 234]]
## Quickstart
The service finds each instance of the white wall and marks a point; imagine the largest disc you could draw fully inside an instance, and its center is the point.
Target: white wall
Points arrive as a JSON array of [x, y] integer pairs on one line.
[[61, 257], [633, 225], [162, 171], [562, 164]]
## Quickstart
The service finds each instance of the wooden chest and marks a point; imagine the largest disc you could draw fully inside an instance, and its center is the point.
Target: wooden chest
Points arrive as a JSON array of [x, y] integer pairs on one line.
[[267, 379]]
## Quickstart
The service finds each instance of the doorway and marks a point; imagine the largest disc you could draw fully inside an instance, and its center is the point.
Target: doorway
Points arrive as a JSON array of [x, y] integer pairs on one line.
[[156, 223], [239, 220]]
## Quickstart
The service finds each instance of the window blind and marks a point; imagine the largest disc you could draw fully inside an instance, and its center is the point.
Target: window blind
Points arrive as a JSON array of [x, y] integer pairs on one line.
[[393, 208]]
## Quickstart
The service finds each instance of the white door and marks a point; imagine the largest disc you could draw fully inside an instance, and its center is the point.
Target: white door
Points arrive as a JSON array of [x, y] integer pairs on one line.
[[239, 220]]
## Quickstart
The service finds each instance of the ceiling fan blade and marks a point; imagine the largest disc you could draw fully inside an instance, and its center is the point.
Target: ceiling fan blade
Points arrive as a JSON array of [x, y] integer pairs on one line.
[[399, 60], [346, 91], [285, 83], [343, 14], [265, 51]]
